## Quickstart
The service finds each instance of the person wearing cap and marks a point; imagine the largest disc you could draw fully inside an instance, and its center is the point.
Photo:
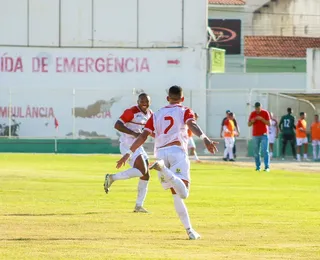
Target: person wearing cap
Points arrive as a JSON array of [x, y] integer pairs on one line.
[[260, 120], [234, 149]]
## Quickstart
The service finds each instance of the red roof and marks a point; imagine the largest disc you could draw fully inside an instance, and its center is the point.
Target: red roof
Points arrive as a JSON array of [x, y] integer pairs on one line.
[[227, 2], [278, 46]]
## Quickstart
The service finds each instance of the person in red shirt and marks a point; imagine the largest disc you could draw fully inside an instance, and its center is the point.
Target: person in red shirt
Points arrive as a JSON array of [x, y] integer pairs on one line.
[[260, 120]]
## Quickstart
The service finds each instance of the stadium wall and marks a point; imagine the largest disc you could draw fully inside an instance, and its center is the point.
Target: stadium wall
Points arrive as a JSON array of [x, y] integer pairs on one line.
[[83, 62]]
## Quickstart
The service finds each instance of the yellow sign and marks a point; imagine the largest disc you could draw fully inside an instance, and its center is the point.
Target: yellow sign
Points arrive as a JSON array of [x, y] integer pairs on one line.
[[217, 60]]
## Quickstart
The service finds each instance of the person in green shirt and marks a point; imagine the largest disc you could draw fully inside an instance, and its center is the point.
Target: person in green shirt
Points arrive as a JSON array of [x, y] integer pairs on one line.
[[287, 128]]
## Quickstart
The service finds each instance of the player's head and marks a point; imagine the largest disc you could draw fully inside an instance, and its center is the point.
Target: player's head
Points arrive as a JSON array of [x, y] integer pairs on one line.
[[230, 115], [316, 118], [257, 106], [303, 115], [196, 116], [289, 110], [227, 112], [143, 102], [175, 95]]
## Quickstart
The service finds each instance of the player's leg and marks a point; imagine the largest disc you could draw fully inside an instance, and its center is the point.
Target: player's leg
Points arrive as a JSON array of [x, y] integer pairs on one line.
[[234, 149], [305, 150], [127, 174], [299, 144], [293, 146], [284, 145], [226, 150], [142, 164], [192, 147], [265, 150], [271, 142], [319, 149], [180, 166], [230, 144], [314, 149], [256, 145]]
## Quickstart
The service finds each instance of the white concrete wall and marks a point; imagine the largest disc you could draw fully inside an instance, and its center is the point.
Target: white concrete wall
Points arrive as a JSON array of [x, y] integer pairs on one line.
[[103, 23], [313, 70], [289, 18]]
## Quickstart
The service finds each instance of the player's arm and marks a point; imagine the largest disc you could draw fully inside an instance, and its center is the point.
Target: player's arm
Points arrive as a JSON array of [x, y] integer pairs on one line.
[[126, 117], [281, 124], [251, 120], [237, 126], [196, 130], [293, 123], [119, 125], [149, 129], [222, 125]]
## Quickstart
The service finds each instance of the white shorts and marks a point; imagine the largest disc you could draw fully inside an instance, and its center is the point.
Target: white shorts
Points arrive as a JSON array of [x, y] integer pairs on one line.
[[140, 151], [191, 143], [229, 142], [176, 159], [315, 142], [272, 139], [301, 141]]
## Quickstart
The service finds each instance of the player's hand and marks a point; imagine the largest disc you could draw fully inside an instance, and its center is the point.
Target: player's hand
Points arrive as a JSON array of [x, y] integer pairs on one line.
[[259, 118], [122, 161], [211, 145], [253, 120]]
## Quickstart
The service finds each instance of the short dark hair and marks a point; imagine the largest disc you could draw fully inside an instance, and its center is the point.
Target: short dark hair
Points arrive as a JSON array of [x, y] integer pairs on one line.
[[316, 115], [143, 95], [230, 114], [289, 110], [302, 113], [175, 92]]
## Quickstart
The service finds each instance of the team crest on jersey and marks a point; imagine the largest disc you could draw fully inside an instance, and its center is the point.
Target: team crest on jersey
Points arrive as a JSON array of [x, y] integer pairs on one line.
[[178, 170]]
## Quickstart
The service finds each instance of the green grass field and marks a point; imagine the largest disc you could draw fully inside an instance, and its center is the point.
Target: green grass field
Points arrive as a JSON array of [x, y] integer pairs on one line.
[[54, 207]]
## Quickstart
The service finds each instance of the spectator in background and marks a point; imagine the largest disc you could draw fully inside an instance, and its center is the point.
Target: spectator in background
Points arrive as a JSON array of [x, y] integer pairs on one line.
[[287, 127], [234, 149], [260, 120], [315, 137], [273, 134], [302, 139], [229, 134]]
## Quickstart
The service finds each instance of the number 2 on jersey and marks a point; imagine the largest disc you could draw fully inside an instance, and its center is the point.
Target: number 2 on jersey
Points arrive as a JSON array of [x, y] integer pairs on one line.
[[171, 122], [286, 123]]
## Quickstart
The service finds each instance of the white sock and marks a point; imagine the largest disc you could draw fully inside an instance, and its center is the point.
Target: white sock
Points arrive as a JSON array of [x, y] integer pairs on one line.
[[177, 184], [142, 192], [230, 152], [298, 157], [305, 156], [182, 211], [271, 154], [128, 174], [314, 150], [225, 154]]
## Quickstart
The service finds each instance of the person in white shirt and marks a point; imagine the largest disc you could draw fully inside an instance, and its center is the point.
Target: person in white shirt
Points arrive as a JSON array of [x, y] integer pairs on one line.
[[272, 134], [169, 125], [131, 124]]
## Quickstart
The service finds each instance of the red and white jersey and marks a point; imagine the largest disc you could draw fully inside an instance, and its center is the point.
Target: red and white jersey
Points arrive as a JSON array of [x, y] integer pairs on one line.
[[273, 127], [134, 119], [169, 125]]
